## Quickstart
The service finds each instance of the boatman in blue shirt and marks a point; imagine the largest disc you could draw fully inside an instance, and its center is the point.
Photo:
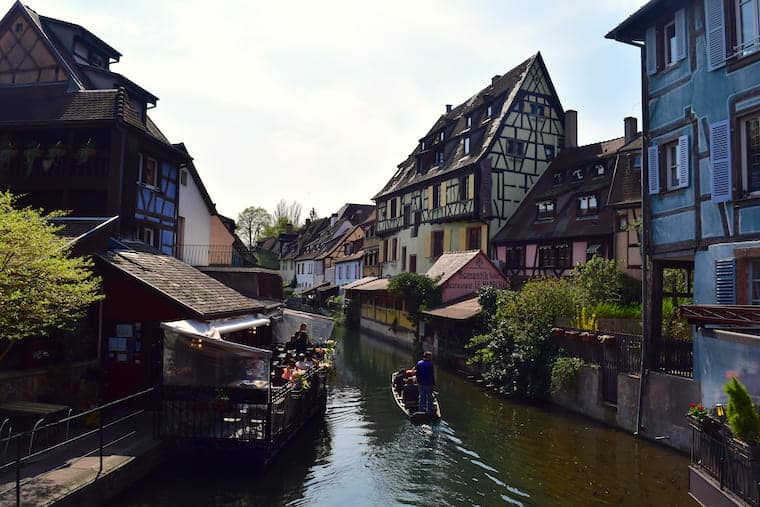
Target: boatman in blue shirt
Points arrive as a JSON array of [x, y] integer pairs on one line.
[[426, 382]]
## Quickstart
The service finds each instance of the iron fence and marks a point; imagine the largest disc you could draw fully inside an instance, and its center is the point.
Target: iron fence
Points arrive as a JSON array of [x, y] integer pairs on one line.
[[18, 450], [675, 357], [732, 467], [215, 255], [615, 353]]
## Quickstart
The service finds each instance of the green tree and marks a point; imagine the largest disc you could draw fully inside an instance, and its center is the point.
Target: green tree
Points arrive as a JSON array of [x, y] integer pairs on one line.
[[418, 292], [251, 222], [740, 411], [273, 229], [42, 287]]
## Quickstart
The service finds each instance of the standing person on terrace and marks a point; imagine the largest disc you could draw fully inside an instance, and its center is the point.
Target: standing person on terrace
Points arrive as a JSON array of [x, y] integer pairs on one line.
[[301, 340], [426, 382]]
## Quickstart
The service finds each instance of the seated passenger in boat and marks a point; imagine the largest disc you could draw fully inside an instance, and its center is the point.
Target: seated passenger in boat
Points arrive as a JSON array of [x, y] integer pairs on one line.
[[411, 391], [303, 363], [399, 379]]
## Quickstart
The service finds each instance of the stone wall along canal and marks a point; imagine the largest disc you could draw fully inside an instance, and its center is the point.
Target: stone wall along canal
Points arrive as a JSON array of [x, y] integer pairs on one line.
[[487, 451]]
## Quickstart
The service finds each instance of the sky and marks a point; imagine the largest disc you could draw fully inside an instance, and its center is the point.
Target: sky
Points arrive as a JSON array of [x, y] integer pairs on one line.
[[320, 101]]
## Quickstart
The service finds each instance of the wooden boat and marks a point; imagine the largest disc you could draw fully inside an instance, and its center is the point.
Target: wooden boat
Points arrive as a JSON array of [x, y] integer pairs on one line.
[[409, 407]]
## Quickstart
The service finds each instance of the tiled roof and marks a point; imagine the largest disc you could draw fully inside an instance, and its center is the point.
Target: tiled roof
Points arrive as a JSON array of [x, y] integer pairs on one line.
[[53, 104], [199, 293], [499, 94], [360, 281], [348, 258], [373, 285], [449, 263], [524, 226], [626, 184], [462, 310]]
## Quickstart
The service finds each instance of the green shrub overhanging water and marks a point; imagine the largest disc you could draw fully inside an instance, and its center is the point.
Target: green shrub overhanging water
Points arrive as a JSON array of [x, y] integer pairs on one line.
[[515, 349]]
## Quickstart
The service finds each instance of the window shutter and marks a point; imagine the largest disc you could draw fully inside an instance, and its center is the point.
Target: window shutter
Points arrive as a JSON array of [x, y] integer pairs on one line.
[[653, 161], [429, 249], [720, 161], [715, 34], [443, 194], [651, 48], [725, 281], [681, 37], [471, 186], [683, 161]]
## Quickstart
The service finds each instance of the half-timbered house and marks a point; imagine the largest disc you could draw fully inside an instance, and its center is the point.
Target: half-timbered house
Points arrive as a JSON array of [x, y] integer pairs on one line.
[[469, 172], [76, 135], [579, 208]]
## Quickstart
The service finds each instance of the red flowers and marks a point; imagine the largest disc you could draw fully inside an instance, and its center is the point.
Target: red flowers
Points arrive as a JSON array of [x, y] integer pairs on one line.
[[693, 405]]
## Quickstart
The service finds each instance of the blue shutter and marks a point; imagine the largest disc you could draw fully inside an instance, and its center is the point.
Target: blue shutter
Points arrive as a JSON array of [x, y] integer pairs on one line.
[[683, 161], [651, 49], [725, 281], [715, 34], [681, 34], [653, 162], [720, 161]]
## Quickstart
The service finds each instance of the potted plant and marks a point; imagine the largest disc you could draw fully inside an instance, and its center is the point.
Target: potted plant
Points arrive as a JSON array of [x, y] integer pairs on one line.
[[54, 155], [742, 418], [701, 419], [31, 154], [7, 153], [86, 152]]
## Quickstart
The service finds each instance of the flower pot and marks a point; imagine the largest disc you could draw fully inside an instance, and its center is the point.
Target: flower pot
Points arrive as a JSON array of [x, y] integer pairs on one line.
[[752, 451]]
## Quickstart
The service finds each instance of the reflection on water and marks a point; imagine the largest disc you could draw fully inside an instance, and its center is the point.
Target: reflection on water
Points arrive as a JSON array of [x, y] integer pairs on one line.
[[486, 451]]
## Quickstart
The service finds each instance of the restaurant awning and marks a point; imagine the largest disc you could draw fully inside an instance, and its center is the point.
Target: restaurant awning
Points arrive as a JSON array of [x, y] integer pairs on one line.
[[318, 328], [215, 328], [462, 310]]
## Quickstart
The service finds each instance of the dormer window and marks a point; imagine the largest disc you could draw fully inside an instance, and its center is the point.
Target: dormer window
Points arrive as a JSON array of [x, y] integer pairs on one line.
[[489, 111], [587, 205], [468, 121], [439, 157], [466, 145], [423, 145], [545, 210], [558, 178], [599, 170], [578, 174], [441, 136]]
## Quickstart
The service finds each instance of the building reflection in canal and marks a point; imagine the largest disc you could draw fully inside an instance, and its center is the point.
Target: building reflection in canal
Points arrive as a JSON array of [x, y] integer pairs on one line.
[[487, 451]]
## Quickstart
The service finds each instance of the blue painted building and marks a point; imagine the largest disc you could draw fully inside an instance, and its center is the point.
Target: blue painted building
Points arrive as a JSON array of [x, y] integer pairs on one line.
[[700, 62]]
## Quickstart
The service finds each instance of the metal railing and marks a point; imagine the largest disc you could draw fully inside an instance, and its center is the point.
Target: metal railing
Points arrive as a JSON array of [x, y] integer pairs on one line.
[[674, 357], [122, 410], [214, 255], [734, 469], [239, 417]]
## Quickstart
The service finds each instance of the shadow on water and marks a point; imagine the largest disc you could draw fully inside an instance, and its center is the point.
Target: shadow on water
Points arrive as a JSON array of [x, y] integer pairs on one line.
[[486, 451]]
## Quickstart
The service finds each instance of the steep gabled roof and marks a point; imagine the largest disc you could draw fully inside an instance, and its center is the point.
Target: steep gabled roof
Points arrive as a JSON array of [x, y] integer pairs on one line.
[[449, 264], [181, 283], [499, 94], [524, 226]]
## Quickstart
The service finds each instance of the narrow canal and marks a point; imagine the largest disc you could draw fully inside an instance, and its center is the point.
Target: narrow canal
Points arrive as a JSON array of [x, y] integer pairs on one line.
[[487, 451]]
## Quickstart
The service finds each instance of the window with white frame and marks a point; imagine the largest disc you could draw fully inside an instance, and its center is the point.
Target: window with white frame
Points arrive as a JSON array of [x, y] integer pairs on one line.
[[545, 210], [441, 136], [439, 157], [587, 205], [148, 174], [183, 178], [754, 282], [750, 137], [489, 111], [466, 145], [747, 26], [468, 120], [672, 168], [149, 236], [670, 45]]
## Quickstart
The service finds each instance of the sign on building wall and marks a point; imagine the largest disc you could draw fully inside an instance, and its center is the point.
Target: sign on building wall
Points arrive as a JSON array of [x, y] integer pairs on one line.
[[476, 274]]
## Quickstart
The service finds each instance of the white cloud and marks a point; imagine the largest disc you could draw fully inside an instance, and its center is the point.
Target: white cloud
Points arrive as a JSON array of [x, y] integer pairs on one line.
[[319, 101]]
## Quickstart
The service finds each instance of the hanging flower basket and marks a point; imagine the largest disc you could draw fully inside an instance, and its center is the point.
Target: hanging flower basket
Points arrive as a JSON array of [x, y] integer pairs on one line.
[[7, 153], [54, 156], [31, 154], [86, 152]]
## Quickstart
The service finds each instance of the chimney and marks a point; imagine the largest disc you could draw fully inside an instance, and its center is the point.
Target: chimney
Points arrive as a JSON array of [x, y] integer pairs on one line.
[[494, 79], [448, 108], [631, 128], [333, 219], [571, 128], [307, 221]]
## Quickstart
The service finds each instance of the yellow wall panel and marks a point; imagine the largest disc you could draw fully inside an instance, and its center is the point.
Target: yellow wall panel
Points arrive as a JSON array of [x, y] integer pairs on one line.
[[447, 239], [471, 186], [462, 244]]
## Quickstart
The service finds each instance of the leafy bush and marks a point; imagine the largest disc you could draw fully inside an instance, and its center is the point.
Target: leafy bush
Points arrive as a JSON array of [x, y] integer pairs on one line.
[[584, 319], [617, 311], [419, 293], [601, 279], [516, 347], [565, 371], [334, 306], [741, 413]]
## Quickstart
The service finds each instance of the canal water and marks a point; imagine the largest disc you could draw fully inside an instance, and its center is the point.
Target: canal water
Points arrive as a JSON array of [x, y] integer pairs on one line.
[[486, 451]]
